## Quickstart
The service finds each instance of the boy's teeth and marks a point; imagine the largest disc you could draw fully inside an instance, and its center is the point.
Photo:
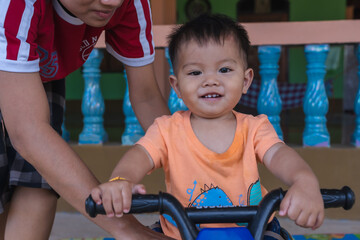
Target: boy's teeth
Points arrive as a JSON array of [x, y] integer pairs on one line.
[[212, 96]]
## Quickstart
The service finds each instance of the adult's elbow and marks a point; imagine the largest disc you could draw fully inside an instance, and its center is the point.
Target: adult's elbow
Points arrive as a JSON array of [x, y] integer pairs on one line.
[[20, 140]]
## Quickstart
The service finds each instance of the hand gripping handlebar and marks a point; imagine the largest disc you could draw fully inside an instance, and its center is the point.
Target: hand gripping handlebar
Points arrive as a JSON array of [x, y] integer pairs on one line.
[[187, 218]]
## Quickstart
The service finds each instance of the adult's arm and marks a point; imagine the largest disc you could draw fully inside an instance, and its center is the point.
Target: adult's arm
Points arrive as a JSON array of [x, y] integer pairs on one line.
[[25, 111], [145, 96]]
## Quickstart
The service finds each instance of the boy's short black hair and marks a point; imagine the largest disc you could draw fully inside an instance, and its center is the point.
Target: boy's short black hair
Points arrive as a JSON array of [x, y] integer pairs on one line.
[[207, 28]]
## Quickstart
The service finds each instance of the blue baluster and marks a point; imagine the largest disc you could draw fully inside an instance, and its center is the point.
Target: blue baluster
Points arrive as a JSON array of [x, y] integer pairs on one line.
[[269, 101], [65, 133], [174, 103], [93, 106], [133, 130], [316, 103], [355, 138]]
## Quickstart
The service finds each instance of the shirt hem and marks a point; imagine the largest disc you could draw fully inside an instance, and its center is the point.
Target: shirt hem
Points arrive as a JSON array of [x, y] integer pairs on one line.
[[21, 67], [132, 62]]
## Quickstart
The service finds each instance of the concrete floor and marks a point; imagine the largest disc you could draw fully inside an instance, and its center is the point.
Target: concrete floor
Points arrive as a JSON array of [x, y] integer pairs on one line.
[[74, 225]]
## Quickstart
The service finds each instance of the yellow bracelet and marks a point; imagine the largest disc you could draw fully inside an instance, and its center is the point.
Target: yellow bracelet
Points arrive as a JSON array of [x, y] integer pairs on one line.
[[118, 178]]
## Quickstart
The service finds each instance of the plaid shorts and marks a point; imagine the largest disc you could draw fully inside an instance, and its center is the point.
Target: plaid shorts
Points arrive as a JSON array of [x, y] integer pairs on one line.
[[16, 171]]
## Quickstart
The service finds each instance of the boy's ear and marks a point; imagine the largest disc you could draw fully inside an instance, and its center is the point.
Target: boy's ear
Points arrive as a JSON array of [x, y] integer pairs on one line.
[[175, 84], [248, 78]]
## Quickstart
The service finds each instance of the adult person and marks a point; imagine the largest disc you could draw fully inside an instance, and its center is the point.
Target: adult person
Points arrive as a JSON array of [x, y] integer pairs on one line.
[[41, 42]]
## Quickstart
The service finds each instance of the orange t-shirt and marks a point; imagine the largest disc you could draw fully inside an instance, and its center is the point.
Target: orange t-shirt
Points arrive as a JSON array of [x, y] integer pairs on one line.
[[197, 176]]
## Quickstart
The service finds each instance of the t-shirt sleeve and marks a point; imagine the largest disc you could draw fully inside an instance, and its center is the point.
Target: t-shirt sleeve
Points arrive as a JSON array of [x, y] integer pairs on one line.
[[265, 136], [18, 30], [154, 144], [130, 40]]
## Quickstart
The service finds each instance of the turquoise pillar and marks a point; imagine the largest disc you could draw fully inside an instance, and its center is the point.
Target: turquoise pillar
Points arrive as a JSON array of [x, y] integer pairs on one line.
[[65, 133], [93, 106], [316, 103], [355, 139], [269, 101]]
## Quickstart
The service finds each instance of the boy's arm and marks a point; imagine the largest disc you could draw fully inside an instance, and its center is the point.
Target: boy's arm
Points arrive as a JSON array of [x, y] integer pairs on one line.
[[145, 95], [131, 169], [134, 165], [303, 202]]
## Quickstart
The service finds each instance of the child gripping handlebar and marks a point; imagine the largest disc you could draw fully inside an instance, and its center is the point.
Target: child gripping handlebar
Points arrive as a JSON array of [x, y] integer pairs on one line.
[[256, 216]]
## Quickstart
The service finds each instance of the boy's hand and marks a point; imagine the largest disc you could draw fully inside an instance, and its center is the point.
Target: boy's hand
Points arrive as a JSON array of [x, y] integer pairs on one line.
[[116, 196], [303, 203]]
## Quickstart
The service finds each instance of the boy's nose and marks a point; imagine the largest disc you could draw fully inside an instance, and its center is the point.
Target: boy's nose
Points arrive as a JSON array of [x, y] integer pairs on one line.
[[112, 3], [211, 81]]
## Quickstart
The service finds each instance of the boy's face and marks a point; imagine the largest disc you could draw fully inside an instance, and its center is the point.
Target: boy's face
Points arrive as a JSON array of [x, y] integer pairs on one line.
[[211, 78], [96, 13]]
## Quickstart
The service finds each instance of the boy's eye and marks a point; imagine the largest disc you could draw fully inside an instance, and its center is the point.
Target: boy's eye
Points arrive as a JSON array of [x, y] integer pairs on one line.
[[224, 70], [194, 73]]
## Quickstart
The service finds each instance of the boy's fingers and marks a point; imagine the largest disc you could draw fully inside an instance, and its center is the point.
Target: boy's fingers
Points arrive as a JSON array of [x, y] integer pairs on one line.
[[127, 197], [302, 219], [117, 203], [319, 220], [96, 195], [293, 211], [284, 206], [139, 189], [311, 220], [108, 206]]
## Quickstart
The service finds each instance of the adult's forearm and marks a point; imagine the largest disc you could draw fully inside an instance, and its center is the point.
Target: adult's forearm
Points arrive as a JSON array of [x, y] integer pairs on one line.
[[147, 111], [64, 171], [145, 95], [56, 162]]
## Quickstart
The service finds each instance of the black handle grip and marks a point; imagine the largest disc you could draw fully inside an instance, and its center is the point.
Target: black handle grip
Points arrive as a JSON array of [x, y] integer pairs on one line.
[[140, 204], [144, 203], [92, 208], [334, 198]]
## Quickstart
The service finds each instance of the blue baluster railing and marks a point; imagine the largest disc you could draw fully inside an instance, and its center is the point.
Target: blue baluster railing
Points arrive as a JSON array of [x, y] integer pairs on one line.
[[355, 138], [65, 133], [316, 103], [133, 130], [93, 106], [269, 101], [174, 103]]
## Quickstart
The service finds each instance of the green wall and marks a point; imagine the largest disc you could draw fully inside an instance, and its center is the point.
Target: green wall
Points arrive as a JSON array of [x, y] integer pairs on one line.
[[313, 10], [227, 7], [112, 86]]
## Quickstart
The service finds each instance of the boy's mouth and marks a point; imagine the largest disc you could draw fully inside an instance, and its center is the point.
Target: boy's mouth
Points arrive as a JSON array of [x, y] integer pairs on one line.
[[211, 95]]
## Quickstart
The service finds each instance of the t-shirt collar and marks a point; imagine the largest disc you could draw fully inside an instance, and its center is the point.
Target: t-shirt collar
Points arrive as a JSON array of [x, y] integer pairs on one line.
[[65, 15]]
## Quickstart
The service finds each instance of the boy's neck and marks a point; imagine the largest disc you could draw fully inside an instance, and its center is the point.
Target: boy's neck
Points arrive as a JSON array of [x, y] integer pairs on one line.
[[216, 134], [207, 120]]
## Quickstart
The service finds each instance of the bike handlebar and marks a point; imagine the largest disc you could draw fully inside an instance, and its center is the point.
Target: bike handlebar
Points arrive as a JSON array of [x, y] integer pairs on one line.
[[256, 216]]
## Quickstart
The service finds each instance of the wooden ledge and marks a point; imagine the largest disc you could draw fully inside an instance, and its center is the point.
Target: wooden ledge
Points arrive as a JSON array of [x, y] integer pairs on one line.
[[282, 33]]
